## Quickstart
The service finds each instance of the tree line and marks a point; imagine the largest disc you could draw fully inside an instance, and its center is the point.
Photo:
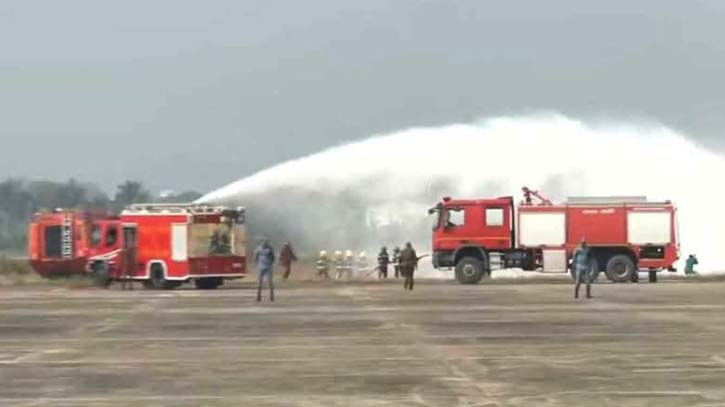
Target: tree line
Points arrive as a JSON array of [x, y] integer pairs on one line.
[[20, 198]]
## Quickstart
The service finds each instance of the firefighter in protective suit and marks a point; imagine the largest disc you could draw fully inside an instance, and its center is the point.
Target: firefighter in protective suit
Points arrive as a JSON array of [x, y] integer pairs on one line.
[[286, 258], [408, 265], [362, 263], [349, 263], [323, 265], [383, 261], [396, 261], [582, 263], [339, 262]]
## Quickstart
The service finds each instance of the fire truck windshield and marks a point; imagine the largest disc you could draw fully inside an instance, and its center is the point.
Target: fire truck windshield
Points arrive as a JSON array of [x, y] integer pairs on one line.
[[436, 213]]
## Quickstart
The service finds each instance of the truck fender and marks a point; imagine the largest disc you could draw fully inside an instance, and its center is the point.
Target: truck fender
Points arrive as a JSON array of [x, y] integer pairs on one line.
[[477, 249], [162, 263]]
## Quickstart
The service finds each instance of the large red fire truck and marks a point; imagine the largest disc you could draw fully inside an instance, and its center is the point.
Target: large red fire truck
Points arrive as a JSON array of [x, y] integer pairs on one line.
[[161, 245], [626, 235]]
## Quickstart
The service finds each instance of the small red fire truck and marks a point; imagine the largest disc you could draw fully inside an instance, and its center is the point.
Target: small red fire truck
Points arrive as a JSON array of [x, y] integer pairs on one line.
[[625, 234], [162, 245]]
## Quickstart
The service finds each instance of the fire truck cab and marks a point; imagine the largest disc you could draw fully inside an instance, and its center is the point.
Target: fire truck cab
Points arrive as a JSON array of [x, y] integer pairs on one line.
[[62, 242], [626, 235]]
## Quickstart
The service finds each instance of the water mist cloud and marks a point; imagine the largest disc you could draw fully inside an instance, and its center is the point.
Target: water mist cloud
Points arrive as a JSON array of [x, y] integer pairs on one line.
[[376, 191]]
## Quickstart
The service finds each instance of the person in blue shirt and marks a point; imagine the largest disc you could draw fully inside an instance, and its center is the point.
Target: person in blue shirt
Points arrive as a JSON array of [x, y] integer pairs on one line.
[[264, 259], [582, 263], [690, 264]]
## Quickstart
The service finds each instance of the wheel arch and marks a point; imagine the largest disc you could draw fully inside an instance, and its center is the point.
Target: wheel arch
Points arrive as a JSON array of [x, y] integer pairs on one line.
[[93, 262], [470, 251], [156, 262]]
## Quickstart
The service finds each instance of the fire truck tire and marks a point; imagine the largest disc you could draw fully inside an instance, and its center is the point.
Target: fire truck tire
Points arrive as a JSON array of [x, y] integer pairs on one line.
[[208, 283], [621, 269], [101, 274], [653, 276], [470, 270], [595, 271]]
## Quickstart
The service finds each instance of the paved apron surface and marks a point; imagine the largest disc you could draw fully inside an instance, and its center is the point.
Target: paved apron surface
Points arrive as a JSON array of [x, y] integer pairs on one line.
[[365, 345]]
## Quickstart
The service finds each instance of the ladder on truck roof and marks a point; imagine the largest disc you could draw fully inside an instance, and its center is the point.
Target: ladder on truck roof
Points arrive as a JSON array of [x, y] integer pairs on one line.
[[67, 236], [176, 208], [613, 200], [530, 195], [588, 200]]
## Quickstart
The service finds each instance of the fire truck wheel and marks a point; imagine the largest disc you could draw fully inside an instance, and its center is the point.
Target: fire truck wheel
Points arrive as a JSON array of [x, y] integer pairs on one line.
[[208, 283], [101, 276], [620, 269], [595, 271], [470, 270]]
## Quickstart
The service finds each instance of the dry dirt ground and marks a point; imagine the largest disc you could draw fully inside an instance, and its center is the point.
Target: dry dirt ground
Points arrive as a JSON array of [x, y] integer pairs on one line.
[[365, 344]]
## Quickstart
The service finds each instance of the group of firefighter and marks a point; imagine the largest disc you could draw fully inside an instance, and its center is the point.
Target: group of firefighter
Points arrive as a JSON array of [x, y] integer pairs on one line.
[[404, 263], [347, 265]]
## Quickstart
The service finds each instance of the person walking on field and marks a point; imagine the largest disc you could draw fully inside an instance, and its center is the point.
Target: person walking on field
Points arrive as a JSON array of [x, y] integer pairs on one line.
[[286, 258], [264, 258], [408, 265], [582, 263], [690, 264], [383, 261]]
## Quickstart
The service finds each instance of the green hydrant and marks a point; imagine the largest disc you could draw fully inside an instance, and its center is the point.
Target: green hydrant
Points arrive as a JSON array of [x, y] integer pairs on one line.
[[690, 265]]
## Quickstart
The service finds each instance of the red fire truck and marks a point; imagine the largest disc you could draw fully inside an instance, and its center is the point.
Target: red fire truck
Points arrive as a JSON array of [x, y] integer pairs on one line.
[[626, 235], [160, 245]]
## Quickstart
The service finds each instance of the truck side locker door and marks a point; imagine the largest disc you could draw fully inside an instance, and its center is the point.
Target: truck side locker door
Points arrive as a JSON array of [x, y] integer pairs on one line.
[[129, 251], [496, 226]]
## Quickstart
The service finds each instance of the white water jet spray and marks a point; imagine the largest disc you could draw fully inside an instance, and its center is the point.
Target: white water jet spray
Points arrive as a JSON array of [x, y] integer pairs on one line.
[[376, 191]]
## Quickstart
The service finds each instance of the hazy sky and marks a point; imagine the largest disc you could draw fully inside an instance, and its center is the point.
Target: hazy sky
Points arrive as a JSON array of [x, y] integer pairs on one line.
[[184, 94]]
